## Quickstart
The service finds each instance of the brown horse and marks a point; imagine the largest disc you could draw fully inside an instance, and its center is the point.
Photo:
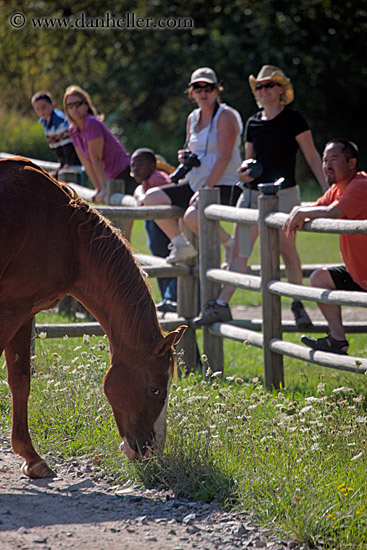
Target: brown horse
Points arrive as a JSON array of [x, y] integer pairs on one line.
[[52, 243]]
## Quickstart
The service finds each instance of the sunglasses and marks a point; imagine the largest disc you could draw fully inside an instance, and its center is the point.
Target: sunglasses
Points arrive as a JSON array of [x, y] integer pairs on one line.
[[206, 88], [76, 104], [267, 85]]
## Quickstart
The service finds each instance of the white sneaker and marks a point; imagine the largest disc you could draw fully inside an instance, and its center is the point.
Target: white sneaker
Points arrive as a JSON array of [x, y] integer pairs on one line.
[[228, 253], [181, 253]]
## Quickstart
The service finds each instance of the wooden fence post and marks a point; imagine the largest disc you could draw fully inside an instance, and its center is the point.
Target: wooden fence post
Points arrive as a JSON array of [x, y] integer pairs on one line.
[[115, 186], [209, 257], [187, 307], [271, 304]]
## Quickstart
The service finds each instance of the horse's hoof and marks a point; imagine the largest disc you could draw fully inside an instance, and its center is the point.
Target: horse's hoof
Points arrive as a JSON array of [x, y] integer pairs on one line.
[[38, 471]]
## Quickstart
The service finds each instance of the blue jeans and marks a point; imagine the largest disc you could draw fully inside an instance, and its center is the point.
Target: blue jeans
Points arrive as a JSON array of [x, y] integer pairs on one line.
[[158, 245]]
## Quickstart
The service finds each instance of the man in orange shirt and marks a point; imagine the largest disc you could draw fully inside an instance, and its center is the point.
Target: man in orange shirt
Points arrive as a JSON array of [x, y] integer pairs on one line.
[[346, 199]]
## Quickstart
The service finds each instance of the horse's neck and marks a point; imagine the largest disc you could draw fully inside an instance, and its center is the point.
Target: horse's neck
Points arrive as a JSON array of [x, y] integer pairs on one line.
[[119, 299]]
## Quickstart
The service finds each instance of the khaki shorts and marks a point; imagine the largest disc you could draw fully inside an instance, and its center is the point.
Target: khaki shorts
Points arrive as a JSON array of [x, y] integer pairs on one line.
[[288, 198]]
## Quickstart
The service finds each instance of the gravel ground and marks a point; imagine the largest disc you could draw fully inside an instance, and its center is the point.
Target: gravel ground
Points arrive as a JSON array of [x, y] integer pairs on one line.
[[77, 510]]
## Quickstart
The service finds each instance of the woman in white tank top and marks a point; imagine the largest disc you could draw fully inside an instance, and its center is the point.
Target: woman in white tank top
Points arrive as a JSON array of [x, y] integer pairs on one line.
[[213, 133]]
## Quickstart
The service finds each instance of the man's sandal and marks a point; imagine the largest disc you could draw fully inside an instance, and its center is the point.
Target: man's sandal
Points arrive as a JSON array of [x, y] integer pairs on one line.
[[328, 344]]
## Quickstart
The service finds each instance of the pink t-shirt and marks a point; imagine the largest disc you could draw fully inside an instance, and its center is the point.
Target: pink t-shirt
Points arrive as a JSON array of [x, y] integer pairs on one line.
[[352, 201], [115, 158], [157, 179]]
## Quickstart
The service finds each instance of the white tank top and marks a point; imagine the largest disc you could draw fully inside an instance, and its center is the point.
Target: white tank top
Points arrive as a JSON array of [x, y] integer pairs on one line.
[[205, 145]]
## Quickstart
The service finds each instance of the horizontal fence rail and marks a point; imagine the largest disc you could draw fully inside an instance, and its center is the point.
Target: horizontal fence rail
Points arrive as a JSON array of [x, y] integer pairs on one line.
[[234, 332], [247, 216], [335, 297], [357, 365], [140, 212], [322, 225], [77, 330], [239, 280]]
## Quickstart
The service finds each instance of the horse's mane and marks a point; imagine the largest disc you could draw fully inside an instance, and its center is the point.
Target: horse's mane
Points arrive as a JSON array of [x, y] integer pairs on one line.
[[111, 253]]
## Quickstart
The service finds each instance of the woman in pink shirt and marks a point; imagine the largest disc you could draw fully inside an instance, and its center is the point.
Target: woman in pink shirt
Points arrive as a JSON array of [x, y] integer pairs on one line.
[[98, 149]]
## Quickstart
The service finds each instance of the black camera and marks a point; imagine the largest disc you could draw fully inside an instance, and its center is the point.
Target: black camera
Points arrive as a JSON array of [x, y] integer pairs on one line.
[[191, 161], [255, 170]]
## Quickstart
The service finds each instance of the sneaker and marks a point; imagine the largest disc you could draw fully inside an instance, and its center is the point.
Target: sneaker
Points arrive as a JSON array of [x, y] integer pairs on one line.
[[214, 313], [228, 253], [301, 317], [167, 306], [181, 253]]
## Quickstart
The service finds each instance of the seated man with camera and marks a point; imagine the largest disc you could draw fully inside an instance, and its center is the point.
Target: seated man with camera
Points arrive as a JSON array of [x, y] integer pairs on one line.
[[211, 158]]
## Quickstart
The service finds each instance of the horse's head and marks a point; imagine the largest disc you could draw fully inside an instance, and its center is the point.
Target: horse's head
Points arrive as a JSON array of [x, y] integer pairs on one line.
[[139, 396]]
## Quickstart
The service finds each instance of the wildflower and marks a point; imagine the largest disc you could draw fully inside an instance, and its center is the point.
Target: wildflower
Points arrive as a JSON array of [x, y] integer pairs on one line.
[[357, 457], [343, 389], [321, 388]]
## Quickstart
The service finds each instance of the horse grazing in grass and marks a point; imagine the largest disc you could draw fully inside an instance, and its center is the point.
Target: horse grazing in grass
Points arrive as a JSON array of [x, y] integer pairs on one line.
[[52, 243]]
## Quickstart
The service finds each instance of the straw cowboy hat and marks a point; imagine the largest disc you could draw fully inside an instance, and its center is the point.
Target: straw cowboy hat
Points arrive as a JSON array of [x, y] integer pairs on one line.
[[269, 72]]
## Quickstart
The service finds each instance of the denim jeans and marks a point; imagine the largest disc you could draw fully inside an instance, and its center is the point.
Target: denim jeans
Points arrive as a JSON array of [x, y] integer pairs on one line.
[[158, 245]]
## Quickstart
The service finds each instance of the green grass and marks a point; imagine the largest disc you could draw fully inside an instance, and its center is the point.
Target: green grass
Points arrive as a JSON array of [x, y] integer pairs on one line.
[[294, 458]]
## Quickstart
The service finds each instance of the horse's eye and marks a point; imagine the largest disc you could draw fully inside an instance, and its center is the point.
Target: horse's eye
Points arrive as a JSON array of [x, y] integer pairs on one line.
[[155, 391]]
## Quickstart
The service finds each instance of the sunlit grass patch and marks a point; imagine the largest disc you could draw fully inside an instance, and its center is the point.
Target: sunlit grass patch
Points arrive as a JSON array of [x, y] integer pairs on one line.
[[295, 458]]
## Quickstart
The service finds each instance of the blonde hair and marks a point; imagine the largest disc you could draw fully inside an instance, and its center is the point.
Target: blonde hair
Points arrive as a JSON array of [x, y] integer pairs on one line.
[[84, 96]]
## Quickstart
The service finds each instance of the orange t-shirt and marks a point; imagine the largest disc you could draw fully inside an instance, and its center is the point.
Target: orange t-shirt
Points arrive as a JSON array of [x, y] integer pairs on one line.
[[352, 201]]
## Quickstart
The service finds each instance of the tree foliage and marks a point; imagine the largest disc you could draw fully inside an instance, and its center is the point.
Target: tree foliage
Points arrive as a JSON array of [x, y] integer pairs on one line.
[[138, 77]]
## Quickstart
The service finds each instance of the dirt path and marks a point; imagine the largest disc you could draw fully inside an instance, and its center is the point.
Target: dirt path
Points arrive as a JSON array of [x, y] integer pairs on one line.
[[78, 511]]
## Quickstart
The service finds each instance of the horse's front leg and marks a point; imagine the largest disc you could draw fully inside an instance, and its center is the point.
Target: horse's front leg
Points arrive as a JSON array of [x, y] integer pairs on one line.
[[17, 354]]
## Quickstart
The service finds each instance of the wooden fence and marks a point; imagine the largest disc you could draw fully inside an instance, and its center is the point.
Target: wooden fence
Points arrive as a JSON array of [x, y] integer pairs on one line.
[[271, 340], [266, 334]]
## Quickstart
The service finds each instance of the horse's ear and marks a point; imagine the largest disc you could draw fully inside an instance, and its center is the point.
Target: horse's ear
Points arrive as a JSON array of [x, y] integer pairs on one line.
[[168, 341]]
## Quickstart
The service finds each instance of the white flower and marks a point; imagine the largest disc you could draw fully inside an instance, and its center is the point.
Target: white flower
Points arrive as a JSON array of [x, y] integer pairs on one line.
[[357, 457]]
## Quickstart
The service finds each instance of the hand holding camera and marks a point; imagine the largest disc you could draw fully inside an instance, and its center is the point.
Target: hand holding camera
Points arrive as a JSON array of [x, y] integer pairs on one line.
[[249, 170], [190, 160]]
